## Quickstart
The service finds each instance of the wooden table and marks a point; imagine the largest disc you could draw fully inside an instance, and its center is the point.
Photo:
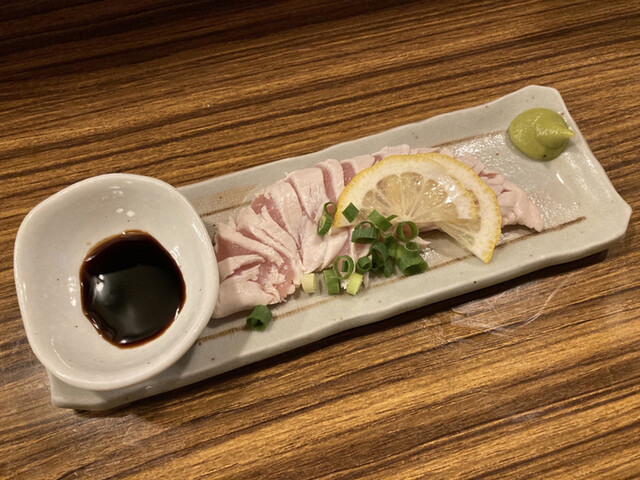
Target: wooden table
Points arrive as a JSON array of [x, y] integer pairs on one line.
[[538, 377]]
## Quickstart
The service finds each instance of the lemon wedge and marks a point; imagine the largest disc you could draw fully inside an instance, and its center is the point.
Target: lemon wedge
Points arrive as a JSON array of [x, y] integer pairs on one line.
[[479, 236], [433, 191], [411, 187]]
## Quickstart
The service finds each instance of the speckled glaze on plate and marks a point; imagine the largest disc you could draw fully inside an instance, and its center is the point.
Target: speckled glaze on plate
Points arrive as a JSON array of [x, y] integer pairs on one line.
[[583, 214]]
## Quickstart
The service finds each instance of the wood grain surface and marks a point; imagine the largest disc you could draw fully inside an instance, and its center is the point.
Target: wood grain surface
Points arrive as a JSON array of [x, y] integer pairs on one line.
[[534, 378]]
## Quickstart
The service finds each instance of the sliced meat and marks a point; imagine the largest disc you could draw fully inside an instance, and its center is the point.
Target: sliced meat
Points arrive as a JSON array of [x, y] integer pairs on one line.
[[515, 206], [230, 242], [231, 265], [281, 201], [333, 178], [335, 243], [242, 292], [313, 246], [395, 150], [265, 230], [405, 149], [354, 250], [278, 234], [352, 166], [309, 186], [242, 272]]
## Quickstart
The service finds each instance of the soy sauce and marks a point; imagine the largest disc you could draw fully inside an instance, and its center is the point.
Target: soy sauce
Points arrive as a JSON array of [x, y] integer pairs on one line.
[[131, 288]]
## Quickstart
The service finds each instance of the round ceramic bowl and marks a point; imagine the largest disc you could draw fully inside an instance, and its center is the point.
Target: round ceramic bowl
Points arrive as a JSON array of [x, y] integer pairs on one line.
[[50, 247]]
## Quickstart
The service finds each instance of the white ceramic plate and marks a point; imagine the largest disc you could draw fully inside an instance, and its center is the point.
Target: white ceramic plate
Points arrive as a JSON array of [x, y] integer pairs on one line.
[[583, 214]]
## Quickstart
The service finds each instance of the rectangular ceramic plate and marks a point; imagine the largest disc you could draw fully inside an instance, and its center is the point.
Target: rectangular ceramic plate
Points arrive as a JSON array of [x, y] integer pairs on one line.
[[582, 211]]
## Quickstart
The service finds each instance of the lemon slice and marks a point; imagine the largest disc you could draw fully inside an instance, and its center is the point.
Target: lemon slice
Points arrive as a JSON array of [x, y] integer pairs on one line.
[[433, 191], [479, 236], [411, 187]]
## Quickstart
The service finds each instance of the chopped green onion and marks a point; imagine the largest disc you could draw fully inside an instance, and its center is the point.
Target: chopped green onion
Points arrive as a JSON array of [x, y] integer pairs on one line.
[[388, 268], [259, 318], [365, 232], [392, 246], [365, 235], [379, 256], [412, 246], [351, 212], [343, 266], [387, 251], [329, 208], [332, 281], [379, 252], [379, 220], [309, 282], [415, 268], [325, 224], [354, 283], [363, 265], [410, 262], [400, 231]]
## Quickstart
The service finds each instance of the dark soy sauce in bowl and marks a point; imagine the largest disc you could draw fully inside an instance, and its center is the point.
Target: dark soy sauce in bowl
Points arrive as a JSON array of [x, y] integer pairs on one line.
[[131, 288]]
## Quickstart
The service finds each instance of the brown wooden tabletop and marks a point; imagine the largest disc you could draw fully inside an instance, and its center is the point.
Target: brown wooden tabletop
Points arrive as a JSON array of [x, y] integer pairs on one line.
[[537, 377]]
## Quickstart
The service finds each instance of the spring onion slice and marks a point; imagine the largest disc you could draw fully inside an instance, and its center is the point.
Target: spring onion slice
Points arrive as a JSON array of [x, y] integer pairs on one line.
[[400, 231], [259, 318], [365, 235], [329, 208], [410, 262], [414, 269], [388, 268], [325, 224], [351, 212], [412, 247], [392, 246], [379, 252], [309, 282], [343, 266], [363, 265], [379, 220], [355, 282], [332, 281], [365, 232]]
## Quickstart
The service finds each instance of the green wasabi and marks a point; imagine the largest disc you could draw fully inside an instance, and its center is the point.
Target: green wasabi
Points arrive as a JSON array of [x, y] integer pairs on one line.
[[540, 133]]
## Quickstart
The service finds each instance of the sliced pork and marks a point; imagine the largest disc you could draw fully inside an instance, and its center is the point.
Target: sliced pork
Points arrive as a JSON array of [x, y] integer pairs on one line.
[[232, 265], [333, 178], [354, 165], [263, 229], [515, 205], [310, 188], [281, 201]]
